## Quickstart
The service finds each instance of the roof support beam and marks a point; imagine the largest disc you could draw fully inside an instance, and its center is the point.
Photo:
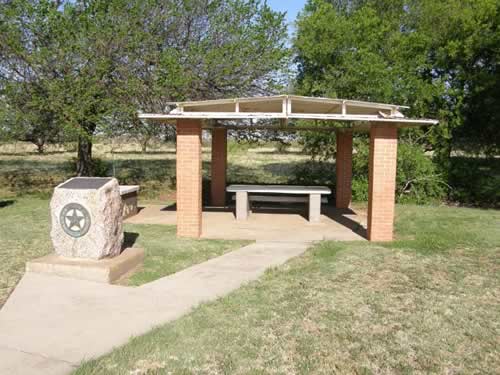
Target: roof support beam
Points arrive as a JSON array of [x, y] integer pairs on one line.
[[281, 107]]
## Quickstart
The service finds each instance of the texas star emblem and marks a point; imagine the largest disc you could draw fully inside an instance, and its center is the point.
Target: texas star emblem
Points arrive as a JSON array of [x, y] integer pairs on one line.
[[75, 220]]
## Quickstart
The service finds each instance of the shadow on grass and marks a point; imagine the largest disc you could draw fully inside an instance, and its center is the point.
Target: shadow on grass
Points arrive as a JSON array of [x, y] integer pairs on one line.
[[284, 169], [31, 153], [13, 165], [129, 239], [159, 152], [247, 174], [28, 176], [278, 152], [138, 171], [304, 173], [5, 203]]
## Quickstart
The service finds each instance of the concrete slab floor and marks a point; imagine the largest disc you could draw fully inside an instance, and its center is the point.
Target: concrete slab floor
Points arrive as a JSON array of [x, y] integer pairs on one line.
[[267, 224]]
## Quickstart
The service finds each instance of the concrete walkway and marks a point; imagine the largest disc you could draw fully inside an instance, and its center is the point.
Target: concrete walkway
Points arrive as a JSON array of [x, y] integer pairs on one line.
[[50, 324]]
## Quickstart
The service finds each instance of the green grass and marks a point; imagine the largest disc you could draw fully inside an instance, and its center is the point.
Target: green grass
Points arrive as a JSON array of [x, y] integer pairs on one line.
[[427, 303], [167, 254], [27, 179], [24, 234], [24, 172]]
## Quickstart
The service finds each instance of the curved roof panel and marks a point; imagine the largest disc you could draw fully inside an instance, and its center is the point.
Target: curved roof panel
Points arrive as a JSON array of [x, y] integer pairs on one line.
[[288, 107]]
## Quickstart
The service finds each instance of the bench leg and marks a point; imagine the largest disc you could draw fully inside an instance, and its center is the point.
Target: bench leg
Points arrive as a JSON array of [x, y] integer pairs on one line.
[[242, 205], [129, 205], [314, 208]]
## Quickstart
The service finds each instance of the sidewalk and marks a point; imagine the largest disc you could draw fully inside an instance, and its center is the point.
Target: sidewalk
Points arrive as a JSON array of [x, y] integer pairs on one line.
[[51, 324]]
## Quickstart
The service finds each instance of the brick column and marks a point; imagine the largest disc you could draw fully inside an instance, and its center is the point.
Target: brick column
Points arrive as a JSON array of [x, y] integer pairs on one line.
[[343, 165], [188, 178], [219, 163], [382, 181]]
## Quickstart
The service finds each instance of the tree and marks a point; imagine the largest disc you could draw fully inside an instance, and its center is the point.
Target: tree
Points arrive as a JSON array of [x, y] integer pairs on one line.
[[100, 61], [24, 77], [31, 121], [438, 57]]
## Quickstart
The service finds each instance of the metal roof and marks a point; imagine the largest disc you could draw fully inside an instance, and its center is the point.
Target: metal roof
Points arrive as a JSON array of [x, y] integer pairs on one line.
[[286, 107]]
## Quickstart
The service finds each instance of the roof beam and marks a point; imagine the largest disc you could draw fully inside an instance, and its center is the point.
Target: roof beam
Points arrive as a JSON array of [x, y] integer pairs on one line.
[[280, 115], [315, 108]]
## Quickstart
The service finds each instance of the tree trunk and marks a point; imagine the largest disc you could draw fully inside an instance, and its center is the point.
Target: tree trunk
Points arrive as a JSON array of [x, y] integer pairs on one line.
[[84, 161], [40, 145], [144, 145]]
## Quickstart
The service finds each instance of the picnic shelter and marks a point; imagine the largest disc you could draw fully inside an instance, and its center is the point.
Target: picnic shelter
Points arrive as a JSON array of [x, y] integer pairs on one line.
[[381, 121]]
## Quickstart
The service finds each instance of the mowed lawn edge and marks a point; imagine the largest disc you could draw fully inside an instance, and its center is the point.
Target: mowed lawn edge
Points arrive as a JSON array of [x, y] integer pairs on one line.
[[425, 303]]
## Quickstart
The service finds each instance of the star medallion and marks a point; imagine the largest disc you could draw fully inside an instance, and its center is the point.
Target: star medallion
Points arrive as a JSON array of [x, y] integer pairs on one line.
[[75, 220]]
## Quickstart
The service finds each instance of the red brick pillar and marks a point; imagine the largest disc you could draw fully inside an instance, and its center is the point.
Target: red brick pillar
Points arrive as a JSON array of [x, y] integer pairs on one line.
[[188, 178], [219, 163], [343, 165], [382, 180]]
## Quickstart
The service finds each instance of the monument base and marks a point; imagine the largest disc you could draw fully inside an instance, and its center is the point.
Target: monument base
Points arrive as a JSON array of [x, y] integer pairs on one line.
[[107, 270]]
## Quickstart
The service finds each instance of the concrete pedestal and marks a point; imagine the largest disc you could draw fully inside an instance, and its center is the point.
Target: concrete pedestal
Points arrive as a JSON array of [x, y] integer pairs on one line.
[[107, 270]]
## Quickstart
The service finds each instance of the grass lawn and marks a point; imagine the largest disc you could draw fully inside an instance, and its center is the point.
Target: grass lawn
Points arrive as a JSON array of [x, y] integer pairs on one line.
[[24, 235], [24, 220], [23, 171], [426, 303]]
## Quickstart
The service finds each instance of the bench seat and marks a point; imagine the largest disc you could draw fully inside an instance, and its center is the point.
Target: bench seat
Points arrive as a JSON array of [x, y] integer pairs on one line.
[[243, 199], [279, 189], [279, 199]]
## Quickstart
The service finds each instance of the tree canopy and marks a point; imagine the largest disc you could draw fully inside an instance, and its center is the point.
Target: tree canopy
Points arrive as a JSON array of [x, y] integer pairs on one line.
[[71, 69], [80, 66], [439, 57]]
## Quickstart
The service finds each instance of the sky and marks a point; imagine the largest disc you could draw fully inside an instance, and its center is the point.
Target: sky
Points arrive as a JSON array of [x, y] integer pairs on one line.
[[292, 7]]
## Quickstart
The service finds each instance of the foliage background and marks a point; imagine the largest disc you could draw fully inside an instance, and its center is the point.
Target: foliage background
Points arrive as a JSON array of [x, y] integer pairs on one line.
[[79, 71], [441, 58]]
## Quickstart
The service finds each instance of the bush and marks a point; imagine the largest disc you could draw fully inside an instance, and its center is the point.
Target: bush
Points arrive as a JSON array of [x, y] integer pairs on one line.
[[475, 180], [314, 173], [417, 180]]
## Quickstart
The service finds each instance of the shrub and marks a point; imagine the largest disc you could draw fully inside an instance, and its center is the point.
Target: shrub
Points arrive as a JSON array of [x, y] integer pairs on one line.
[[475, 180], [417, 180], [314, 173]]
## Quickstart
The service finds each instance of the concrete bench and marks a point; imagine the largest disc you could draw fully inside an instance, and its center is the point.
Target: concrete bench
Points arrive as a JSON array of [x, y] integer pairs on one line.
[[129, 195], [280, 199], [243, 199]]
